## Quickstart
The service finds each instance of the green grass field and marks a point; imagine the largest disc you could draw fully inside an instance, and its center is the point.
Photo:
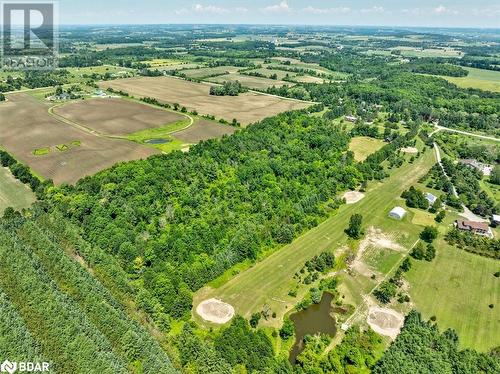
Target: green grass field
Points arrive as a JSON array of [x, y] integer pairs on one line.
[[270, 280], [487, 80], [13, 193], [162, 133], [457, 288], [363, 147]]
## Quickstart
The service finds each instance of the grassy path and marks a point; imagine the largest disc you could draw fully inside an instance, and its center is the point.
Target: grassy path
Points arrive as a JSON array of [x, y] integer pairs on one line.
[[269, 281]]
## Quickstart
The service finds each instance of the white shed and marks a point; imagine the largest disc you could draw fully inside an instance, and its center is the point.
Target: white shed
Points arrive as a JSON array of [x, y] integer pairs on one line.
[[397, 213], [430, 198]]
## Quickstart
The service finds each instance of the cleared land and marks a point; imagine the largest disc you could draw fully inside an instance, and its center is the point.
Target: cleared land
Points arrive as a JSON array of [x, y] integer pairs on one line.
[[73, 152], [457, 288], [204, 130], [268, 72], [363, 147], [247, 108], [256, 83], [487, 80], [13, 193], [116, 116], [269, 281], [210, 72]]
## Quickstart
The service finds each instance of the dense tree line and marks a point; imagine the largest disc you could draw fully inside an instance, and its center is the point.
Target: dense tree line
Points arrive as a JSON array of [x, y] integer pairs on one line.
[[466, 181], [422, 348], [21, 172], [228, 89], [438, 69], [474, 243]]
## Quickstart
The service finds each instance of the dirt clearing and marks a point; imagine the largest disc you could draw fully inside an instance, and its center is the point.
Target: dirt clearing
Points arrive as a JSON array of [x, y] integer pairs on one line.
[[215, 311], [352, 197], [385, 321], [116, 116], [247, 108], [410, 150], [204, 130]]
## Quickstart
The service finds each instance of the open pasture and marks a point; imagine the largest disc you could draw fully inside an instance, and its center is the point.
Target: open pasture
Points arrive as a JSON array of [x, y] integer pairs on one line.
[[39, 130], [13, 193], [487, 80], [256, 83], [269, 72], [363, 147], [247, 108], [116, 116], [457, 288]]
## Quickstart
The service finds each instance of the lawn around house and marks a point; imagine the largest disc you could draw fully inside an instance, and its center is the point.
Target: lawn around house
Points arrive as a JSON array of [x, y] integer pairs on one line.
[[269, 281], [457, 288]]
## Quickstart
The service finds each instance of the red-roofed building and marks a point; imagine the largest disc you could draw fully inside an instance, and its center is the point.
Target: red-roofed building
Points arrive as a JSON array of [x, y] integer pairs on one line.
[[478, 228]]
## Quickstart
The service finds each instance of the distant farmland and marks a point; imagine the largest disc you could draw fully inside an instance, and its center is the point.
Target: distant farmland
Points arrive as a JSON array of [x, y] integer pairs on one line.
[[54, 149], [251, 82], [117, 116], [247, 108]]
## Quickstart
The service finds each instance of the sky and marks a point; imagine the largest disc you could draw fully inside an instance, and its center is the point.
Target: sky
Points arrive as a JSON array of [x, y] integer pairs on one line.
[[432, 13]]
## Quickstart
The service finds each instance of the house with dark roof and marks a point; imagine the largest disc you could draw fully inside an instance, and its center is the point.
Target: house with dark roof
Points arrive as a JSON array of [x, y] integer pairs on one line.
[[478, 228]]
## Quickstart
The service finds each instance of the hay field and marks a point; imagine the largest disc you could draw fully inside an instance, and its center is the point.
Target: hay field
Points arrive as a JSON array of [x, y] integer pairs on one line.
[[247, 108], [268, 72], [487, 80], [256, 83], [27, 126], [116, 116], [13, 193], [363, 147]]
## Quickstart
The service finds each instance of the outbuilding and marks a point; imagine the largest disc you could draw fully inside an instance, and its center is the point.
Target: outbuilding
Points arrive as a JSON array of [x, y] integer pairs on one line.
[[430, 198], [398, 213]]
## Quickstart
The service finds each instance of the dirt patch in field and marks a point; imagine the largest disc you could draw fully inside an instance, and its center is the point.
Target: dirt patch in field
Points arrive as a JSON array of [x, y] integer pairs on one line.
[[247, 108], [204, 130], [26, 126], [215, 311], [352, 197], [410, 150], [385, 321], [375, 238], [116, 116]]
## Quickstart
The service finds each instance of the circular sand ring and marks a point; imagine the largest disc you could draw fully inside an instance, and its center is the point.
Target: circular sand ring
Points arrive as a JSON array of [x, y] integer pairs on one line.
[[215, 311]]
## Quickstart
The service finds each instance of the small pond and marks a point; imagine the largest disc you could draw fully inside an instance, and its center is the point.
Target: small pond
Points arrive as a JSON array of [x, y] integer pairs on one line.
[[317, 319], [157, 141]]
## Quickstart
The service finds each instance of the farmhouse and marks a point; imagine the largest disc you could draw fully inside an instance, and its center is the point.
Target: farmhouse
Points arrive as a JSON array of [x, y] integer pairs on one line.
[[478, 228], [430, 198], [397, 213], [483, 168]]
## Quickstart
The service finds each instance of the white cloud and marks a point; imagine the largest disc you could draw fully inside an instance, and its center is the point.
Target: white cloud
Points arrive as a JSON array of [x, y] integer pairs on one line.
[[374, 9], [241, 10], [313, 10], [441, 9], [198, 8], [282, 7]]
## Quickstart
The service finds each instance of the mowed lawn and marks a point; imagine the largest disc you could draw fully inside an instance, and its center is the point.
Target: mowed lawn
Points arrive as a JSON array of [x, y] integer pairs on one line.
[[363, 147], [13, 193], [457, 288], [269, 281], [487, 80]]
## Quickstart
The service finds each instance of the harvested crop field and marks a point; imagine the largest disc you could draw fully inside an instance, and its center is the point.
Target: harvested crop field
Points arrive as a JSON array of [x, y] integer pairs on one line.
[[72, 153], [116, 116], [204, 130], [210, 72], [256, 83], [247, 108]]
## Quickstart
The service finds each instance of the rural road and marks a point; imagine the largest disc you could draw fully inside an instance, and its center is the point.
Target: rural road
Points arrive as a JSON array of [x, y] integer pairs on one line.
[[442, 128]]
